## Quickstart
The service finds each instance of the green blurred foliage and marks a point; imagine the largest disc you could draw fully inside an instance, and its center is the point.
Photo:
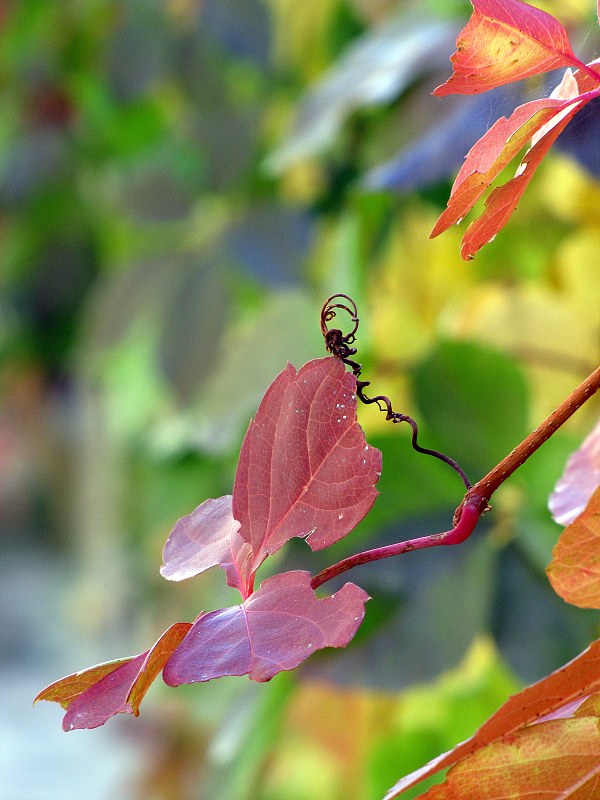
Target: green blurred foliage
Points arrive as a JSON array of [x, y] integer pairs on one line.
[[181, 186]]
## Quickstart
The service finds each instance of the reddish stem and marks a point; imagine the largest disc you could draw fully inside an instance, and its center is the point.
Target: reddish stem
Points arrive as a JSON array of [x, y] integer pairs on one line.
[[590, 70], [476, 500], [470, 513]]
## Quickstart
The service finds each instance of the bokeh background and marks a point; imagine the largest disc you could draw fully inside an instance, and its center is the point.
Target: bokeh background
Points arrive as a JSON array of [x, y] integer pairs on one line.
[[182, 184]]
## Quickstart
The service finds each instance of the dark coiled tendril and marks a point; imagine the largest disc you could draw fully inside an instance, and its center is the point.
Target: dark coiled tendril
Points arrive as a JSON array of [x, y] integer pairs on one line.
[[339, 344]]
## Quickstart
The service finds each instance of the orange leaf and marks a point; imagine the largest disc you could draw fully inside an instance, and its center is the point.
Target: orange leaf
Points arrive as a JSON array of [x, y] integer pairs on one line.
[[555, 760], [576, 680], [590, 706], [574, 571], [505, 41], [67, 689], [155, 661], [488, 157], [503, 200]]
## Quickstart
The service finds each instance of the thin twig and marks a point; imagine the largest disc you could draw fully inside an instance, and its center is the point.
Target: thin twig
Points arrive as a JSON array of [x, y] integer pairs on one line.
[[338, 345], [476, 500]]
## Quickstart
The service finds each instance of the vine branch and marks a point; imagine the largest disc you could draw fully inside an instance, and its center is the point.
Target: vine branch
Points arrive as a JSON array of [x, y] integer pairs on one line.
[[481, 493], [476, 500]]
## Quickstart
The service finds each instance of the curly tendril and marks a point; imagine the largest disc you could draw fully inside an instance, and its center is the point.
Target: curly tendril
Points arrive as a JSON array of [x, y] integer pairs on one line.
[[339, 344]]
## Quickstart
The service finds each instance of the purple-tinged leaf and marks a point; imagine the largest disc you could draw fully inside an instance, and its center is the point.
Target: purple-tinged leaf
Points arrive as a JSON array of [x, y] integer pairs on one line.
[[65, 690], [104, 699], [305, 468], [578, 482], [275, 629], [93, 695], [206, 538]]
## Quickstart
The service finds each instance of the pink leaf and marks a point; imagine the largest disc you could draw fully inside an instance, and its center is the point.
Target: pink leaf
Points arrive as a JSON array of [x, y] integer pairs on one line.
[[305, 468], [275, 629], [206, 538], [505, 41], [579, 481], [94, 695]]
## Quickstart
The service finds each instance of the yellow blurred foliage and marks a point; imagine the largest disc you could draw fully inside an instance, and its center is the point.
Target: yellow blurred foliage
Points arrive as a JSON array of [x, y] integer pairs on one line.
[[332, 734], [299, 31], [567, 192], [414, 293], [421, 290], [568, 12]]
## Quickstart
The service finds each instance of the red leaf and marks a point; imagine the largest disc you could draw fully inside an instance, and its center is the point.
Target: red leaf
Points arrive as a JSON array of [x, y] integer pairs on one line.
[[305, 468], [578, 482], [275, 629], [206, 538], [488, 157], [574, 571], [505, 41], [540, 121], [577, 679], [555, 760], [503, 200], [94, 695]]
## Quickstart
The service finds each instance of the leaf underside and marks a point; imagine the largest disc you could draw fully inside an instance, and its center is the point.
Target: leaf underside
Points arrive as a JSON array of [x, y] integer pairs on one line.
[[563, 692], [275, 629], [94, 695], [574, 571], [578, 482]]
